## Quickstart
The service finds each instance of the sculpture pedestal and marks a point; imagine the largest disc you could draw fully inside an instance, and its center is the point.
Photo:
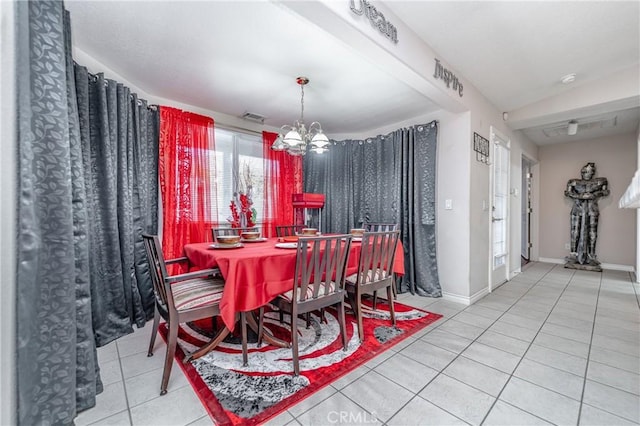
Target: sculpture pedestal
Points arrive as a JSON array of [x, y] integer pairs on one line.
[[585, 267]]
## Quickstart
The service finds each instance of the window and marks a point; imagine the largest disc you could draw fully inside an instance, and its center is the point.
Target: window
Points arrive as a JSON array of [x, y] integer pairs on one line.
[[500, 204], [238, 164]]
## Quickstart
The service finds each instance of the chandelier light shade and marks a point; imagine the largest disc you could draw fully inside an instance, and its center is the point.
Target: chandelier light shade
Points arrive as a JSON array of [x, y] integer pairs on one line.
[[297, 139]]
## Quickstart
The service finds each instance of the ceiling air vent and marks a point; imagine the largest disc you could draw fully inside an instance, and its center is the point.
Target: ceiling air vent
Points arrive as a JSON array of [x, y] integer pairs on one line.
[[252, 116]]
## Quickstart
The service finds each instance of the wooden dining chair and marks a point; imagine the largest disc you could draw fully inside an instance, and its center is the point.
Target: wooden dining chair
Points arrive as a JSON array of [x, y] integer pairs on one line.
[[319, 283], [288, 230], [380, 227], [179, 298], [375, 272], [215, 232]]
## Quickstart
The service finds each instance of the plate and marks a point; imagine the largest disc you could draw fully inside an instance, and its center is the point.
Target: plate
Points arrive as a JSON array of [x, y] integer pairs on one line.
[[355, 239], [287, 245], [255, 240], [226, 246], [288, 239]]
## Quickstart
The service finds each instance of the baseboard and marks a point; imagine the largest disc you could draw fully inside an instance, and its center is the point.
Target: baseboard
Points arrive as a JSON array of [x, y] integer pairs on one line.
[[611, 266], [616, 267], [551, 260], [465, 300]]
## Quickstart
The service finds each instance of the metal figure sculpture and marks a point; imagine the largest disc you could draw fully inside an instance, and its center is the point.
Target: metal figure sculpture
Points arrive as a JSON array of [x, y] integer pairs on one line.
[[585, 193]]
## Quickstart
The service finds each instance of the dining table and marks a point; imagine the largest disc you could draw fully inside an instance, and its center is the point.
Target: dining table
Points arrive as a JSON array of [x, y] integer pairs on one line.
[[256, 271]]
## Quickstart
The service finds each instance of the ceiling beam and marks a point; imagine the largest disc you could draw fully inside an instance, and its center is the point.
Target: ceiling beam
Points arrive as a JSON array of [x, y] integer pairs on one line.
[[616, 92], [410, 60]]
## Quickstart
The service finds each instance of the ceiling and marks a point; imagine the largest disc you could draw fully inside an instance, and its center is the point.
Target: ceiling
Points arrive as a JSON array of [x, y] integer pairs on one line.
[[238, 57]]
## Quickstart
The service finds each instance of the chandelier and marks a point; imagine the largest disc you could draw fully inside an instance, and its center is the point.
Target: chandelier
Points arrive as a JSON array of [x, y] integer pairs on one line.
[[297, 139]]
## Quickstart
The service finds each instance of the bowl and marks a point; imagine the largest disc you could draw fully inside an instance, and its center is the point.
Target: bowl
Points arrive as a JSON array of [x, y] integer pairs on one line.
[[289, 239], [250, 235], [309, 231], [228, 239], [357, 232]]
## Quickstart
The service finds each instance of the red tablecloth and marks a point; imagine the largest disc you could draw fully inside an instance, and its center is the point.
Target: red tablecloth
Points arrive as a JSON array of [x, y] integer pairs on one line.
[[258, 272]]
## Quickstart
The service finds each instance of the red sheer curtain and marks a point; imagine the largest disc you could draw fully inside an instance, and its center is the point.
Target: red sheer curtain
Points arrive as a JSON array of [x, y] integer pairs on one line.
[[282, 177], [186, 168]]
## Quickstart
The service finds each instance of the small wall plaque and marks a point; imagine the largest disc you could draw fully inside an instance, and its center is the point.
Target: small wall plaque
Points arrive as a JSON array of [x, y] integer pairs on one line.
[[481, 147]]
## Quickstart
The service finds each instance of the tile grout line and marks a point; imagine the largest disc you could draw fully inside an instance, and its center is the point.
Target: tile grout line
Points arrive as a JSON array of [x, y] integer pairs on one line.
[[529, 346], [586, 368], [536, 284], [126, 398], [415, 394], [465, 348], [124, 386], [633, 286]]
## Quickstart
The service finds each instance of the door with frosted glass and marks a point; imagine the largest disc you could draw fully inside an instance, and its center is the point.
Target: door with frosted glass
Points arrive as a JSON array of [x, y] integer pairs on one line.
[[499, 211]]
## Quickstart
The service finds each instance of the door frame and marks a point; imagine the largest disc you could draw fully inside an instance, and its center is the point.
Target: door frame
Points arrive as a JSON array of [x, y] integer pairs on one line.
[[526, 206], [497, 137]]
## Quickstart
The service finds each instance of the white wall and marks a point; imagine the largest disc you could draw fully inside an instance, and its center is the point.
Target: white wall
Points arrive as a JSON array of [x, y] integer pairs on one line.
[[454, 226], [463, 232], [7, 216], [483, 116], [616, 159]]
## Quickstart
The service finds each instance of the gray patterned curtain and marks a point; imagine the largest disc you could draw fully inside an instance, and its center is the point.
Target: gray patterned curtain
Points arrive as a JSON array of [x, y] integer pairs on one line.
[[76, 221], [388, 178], [119, 138]]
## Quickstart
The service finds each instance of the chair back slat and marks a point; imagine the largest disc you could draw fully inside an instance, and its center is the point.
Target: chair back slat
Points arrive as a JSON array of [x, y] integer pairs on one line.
[[158, 269], [320, 267], [380, 227], [288, 230], [377, 256]]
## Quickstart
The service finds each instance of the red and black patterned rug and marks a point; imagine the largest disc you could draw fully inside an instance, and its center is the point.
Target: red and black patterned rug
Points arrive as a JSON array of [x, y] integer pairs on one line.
[[234, 395]]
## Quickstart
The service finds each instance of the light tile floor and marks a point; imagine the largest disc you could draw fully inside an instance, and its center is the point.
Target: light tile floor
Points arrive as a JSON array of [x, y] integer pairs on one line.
[[552, 346]]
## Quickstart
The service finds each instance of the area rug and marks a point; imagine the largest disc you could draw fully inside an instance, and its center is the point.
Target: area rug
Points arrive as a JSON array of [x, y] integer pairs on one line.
[[237, 395]]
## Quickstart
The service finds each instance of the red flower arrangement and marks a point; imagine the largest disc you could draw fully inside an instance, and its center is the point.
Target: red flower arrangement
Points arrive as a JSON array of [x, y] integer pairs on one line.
[[243, 215], [245, 218]]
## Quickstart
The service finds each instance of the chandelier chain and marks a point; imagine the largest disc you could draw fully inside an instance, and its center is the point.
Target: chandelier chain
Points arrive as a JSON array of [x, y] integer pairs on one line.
[[302, 104]]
